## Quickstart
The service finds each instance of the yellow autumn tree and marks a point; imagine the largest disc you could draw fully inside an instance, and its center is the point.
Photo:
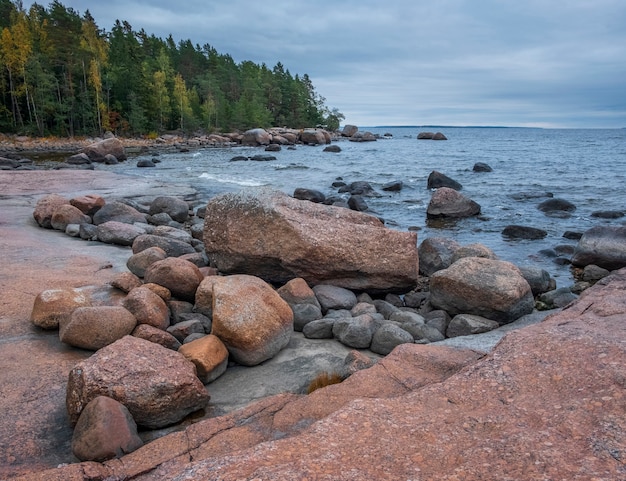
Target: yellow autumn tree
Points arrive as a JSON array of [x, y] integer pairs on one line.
[[94, 43]]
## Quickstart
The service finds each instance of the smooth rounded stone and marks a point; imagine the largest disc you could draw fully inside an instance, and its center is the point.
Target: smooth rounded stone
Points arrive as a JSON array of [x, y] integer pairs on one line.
[[437, 179], [482, 167], [95, 327], [88, 232], [173, 233], [448, 203], [176, 208], [206, 322], [163, 292], [181, 277], [407, 316], [119, 233], [172, 247], [360, 187], [365, 297], [262, 158], [183, 329], [473, 250], [314, 137], [88, 204], [387, 337], [485, 287], [423, 332], [556, 205], [355, 332], [385, 308], [334, 297], [139, 262], [338, 313], [198, 259], [349, 130], [523, 232], [538, 279], [273, 148], [303, 314], [311, 195], [332, 148], [393, 186], [357, 202], [276, 237], [147, 307], [194, 336], [608, 214], [125, 281], [78, 159], [159, 336], [105, 430], [53, 305], [161, 219], [425, 135], [209, 355], [72, 230], [118, 211], [438, 318], [146, 163], [157, 385], [297, 291], [68, 214], [249, 316], [435, 253], [558, 298], [593, 273], [415, 299], [319, 329], [394, 299], [177, 308], [110, 159], [568, 234], [468, 324], [439, 136], [363, 308], [603, 246]]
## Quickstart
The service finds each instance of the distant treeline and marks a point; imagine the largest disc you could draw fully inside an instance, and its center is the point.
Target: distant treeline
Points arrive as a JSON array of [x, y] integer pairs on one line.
[[63, 75]]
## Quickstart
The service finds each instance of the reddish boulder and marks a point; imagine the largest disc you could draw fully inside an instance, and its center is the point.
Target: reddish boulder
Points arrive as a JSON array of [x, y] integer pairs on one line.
[[153, 334], [45, 207], [157, 385], [88, 204], [105, 430], [54, 305], [278, 238], [98, 151], [448, 203], [493, 289], [68, 214], [95, 327], [209, 355], [250, 318], [180, 276], [255, 137], [147, 307], [139, 262]]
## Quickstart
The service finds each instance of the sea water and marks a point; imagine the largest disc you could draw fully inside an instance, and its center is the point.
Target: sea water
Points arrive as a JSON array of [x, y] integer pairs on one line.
[[585, 167]]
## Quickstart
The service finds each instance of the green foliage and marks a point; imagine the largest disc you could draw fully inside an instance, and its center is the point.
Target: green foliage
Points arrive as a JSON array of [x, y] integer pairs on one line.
[[61, 74]]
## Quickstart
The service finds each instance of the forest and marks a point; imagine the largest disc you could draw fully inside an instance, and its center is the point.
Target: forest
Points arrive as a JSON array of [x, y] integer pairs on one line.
[[63, 75]]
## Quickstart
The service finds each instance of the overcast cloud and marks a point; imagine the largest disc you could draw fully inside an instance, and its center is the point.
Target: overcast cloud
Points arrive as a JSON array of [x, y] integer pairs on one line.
[[543, 63]]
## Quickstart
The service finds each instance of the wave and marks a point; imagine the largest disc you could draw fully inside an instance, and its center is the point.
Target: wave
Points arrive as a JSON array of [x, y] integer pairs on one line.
[[226, 179]]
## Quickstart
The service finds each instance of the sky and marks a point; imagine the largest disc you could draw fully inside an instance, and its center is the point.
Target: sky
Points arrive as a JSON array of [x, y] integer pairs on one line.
[[527, 63]]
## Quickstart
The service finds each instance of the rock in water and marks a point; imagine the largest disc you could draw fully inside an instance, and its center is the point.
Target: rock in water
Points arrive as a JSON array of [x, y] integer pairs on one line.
[[604, 246], [278, 238], [157, 385]]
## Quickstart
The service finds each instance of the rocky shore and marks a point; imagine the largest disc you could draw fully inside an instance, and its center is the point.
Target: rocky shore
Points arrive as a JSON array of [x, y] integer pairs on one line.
[[361, 298]]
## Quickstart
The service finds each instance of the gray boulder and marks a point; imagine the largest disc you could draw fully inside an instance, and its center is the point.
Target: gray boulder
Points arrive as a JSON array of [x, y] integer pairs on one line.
[[172, 247], [603, 246], [176, 208], [467, 324], [333, 297], [387, 337], [435, 253], [118, 211], [436, 180], [119, 233]]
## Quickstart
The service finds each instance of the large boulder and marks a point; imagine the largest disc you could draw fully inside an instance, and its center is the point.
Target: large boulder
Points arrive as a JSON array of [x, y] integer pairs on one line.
[[172, 247], [157, 385], [88, 204], [53, 305], [483, 287], [180, 276], [255, 137], [448, 203], [349, 130], [139, 262], [604, 246], [278, 238], [105, 430], [209, 355], [68, 214], [94, 327], [45, 207], [98, 151], [147, 307], [314, 136], [119, 233], [249, 316], [437, 180]]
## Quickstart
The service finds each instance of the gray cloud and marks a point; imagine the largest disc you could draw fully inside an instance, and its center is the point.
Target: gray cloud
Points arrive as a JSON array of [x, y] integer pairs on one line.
[[536, 62]]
